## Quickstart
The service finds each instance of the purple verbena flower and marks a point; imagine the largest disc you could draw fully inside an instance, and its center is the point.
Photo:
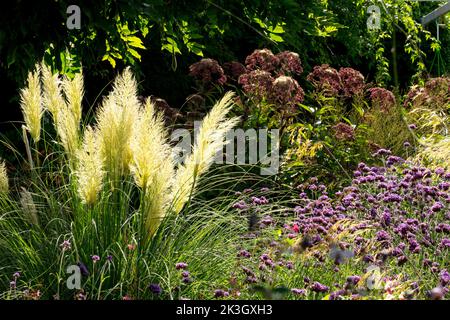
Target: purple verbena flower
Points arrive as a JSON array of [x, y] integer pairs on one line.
[[155, 288], [181, 265]]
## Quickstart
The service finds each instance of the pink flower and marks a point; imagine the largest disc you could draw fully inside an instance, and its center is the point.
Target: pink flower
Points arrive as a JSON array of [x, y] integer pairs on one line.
[[262, 59], [352, 82], [257, 83], [286, 91], [343, 132], [326, 80], [382, 98], [208, 71], [289, 63]]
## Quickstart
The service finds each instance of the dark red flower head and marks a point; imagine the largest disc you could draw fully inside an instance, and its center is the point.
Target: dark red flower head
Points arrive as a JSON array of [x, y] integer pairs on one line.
[[326, 79], [208, 71]]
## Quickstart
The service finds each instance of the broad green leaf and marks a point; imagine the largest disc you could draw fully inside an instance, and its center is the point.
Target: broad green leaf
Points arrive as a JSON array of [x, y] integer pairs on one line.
[[134, 53], [135, 42], [276, 37]]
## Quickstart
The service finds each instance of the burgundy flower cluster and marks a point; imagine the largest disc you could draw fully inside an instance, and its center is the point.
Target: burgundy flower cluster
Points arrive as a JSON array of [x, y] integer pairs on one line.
[[208, 71], [289, 63], [283, 63], [326, 79], [343, 132], [286, 91], [346, 82], [382, 98], [262, 59], [234, 69], [268, 76], [257, 83], [352, 82]]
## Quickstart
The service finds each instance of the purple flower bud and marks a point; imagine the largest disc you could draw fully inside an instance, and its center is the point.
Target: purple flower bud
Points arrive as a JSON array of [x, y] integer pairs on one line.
[[83, 269], [65, 245], [444, 277], [300, 292], [187, 280], [318, 287], [219, 293], [382, 235], [155, 288], [353, 279], [181, 265], [241, 205], [244, 253]]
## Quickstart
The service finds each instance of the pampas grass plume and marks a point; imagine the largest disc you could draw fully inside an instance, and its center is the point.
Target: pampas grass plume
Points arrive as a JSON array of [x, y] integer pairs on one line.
[[31, 104]]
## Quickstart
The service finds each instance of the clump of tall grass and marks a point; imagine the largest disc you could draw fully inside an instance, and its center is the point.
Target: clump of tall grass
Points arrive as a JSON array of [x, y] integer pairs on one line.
[[434, 153], [429, 107], [388, 129], [114, 183]]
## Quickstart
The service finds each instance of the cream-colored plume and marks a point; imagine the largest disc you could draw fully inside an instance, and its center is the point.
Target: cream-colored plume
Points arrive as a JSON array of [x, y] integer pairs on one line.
[[116, 122], [4, 184], [90, 173], [152, 164], [209, 141], [31, 104], [74, 92], [52, 97]]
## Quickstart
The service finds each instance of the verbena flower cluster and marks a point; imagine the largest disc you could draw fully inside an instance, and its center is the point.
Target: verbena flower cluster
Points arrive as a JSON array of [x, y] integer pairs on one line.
[[396, 214]]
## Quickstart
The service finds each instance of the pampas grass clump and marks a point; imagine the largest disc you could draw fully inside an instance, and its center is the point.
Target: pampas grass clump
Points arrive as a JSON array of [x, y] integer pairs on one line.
[[127, 142], [152, 164]]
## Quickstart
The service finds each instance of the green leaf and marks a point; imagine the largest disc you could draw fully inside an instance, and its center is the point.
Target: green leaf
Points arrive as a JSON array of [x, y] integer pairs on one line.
[[134, 53], [275, 37], [110, 60], [135, 42], [171, 46]]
